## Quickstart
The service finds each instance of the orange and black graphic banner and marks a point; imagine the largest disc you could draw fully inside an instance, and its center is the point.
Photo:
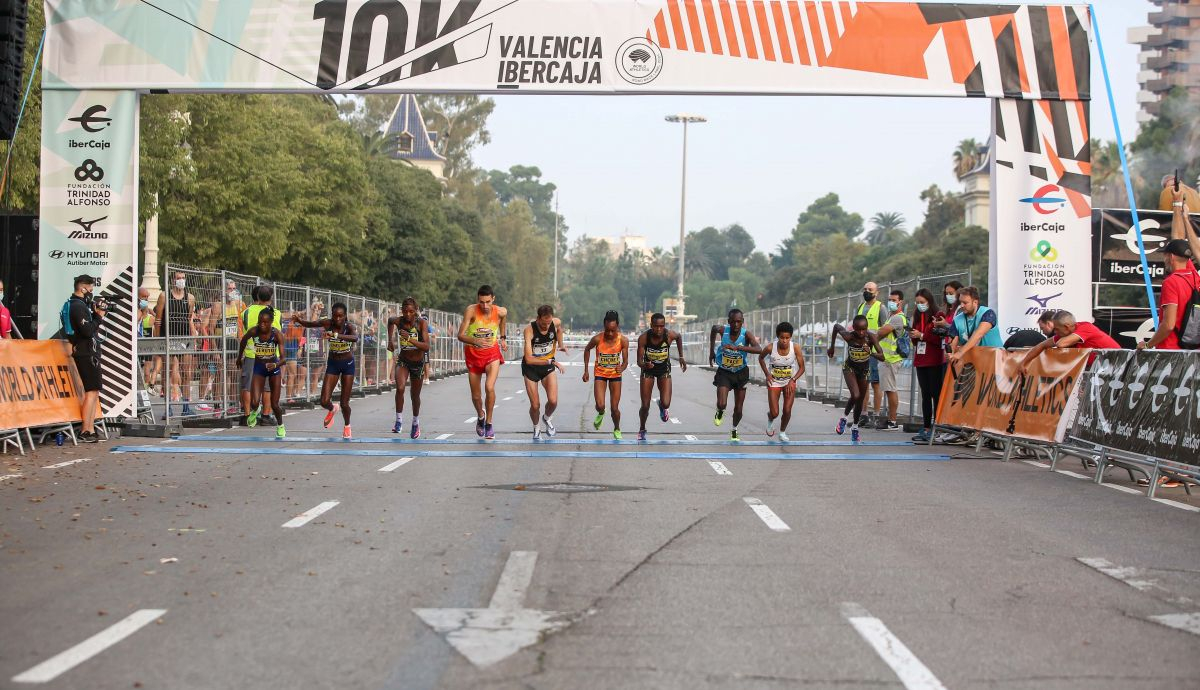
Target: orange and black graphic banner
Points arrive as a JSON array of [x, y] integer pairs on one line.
[[986, 391], [38, 384]]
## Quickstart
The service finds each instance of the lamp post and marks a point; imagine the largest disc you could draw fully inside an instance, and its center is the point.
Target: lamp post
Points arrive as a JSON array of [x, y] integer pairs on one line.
[[686, 120], [556, 245]]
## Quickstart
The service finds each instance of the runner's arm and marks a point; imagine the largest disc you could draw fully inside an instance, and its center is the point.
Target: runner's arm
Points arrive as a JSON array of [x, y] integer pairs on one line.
[[752, 345], [242, 346], [351, 336], [462, 327], [319, 323], [587, 355], [423, 341], [762, 363], [878, 351], [980, 331], [624, 354], [712, 346], [527, 355], [558, 336], [641, 353], [801, 367]]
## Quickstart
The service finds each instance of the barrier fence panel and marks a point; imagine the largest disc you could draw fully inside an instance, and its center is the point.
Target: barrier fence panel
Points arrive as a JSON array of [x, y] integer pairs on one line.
[[193, 369], [293, 300]]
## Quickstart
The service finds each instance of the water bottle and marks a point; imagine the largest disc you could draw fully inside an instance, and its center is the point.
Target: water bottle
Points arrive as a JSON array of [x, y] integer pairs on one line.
[[58, 438]]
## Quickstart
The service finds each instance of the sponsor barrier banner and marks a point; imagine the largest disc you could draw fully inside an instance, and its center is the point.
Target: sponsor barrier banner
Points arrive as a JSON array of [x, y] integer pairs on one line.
[[580, 46], [1145, 402], [1114, 245], [1041, 213], [89, 188], [38, 384], [986, 392]]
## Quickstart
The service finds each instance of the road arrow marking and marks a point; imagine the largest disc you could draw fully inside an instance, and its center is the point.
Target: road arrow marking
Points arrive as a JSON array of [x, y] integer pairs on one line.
[[486, 636]]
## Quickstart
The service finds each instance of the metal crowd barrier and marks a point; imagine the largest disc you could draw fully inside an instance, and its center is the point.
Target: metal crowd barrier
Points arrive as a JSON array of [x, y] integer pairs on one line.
[[189, 363], [813, 321]]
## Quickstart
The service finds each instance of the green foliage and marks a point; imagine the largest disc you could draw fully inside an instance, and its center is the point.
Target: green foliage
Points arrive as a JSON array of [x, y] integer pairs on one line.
[[822, 218], [1169, 142]]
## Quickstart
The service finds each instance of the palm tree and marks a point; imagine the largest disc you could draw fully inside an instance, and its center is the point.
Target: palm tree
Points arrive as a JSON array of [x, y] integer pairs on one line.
[[380, 144], [886, 227], [1108, 184], [966, 156]]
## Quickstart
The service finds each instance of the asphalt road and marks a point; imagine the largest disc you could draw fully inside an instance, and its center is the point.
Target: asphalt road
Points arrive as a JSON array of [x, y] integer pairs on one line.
[[772, 568]]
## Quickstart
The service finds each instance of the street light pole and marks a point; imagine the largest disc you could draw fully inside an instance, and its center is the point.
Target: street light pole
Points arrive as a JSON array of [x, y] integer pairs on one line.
[[686, 120]]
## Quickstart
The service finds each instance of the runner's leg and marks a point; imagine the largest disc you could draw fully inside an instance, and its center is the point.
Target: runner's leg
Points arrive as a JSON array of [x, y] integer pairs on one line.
[[739, 397], [492, 372], [614, 399], [647, 388], [664, 392], [772, 402], [789, 398], [598, 388], [415, 385], [551, 384], [535, 403], [347, 391], [476, 396], [327, 390]]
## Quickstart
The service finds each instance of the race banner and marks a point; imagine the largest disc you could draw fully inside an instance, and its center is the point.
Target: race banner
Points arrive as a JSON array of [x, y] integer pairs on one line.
[[38, 384], [573, 46], [89, 183], [1115, 248], [1143, 402], [987, 392], [1041, 213]]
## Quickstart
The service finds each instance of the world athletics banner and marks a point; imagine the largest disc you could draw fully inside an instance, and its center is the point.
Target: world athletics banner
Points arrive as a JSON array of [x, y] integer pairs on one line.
[[987, 392], [1145, 402]]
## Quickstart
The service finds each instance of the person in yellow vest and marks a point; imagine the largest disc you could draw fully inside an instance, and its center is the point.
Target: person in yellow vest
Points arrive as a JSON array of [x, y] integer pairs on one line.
[[876, 316], [889, 334], [1168, 196], [262, 295]]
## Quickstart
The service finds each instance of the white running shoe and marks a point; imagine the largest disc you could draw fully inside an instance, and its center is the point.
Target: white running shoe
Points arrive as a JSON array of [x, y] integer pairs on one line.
[[770, 427], [537, 433], [784, 437], [550, 431]]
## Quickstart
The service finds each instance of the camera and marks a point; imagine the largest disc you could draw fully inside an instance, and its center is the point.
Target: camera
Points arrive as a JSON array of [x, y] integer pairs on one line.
[[99, 304]]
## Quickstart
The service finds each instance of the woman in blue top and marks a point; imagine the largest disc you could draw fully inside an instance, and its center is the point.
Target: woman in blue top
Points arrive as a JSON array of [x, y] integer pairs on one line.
[[267, 341], [730, 360]]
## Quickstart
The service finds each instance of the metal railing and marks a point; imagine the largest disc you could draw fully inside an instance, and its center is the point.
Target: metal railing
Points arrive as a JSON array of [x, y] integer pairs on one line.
[[190, 366], [813, 320]]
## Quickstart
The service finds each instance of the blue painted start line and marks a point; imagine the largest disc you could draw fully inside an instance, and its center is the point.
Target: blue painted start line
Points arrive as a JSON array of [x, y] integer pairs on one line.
[[265, 450], [518, 442]]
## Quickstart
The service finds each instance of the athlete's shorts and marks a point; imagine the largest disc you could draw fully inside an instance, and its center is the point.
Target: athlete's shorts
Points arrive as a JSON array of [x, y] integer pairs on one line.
[[342, 367], [536, 374], [414, 368], [247, 372], [734, 380], [775, 383], [874, 365], [887, 376], [657, 373], [608, 378], [260, 369], [862, 371], [478, 360]]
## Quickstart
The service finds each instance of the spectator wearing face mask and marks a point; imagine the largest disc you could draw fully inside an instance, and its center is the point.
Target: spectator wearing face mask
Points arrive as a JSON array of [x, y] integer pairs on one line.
[[889, 335], [974, 325], [876, 315], [929, 358]]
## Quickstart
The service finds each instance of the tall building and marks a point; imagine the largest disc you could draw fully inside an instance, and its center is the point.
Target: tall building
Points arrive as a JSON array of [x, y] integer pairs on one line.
[[414, 143], [618, 245], [1170, 55]]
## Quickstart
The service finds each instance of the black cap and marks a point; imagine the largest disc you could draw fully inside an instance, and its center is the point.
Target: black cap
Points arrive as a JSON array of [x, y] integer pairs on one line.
[[86, 279], [1179, 248]]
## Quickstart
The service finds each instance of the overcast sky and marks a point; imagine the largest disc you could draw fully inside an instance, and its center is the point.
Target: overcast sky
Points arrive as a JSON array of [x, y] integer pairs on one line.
[[760, 161]]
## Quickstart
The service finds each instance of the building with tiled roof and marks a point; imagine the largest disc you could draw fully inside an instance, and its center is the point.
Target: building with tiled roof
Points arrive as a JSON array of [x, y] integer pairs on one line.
[[414, 143]]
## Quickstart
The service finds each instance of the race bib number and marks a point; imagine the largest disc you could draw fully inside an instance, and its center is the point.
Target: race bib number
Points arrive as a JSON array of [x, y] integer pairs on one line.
[[656, 356], [921, 347], [731, 361], [609, 359], [543, 349], [781, 373]]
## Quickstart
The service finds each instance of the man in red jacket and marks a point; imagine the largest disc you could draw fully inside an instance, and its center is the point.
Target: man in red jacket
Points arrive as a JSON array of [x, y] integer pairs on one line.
[[1071, 333]]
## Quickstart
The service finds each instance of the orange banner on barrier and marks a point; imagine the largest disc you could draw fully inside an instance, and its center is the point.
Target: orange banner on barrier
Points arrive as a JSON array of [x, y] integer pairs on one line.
[[987, 392], [38, 384]]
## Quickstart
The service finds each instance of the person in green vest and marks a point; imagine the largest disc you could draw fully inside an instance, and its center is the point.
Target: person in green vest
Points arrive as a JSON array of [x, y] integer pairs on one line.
[[876, 316], [889, 369], [974, 325]]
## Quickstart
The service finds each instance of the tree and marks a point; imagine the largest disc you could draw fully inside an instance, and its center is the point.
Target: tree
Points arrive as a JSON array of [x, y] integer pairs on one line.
[[524, 182], [1108, 178], [822, 218], [1169, 142], [886, 228], [460, 122], [966, 157], [366, 114], [942, 212]]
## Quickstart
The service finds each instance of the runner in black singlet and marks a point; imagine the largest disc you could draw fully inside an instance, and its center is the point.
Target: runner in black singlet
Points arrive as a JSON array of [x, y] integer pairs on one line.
[[654, 358], [859, 345], [409, 331], [543, 339], [267, 342], [341, 336]]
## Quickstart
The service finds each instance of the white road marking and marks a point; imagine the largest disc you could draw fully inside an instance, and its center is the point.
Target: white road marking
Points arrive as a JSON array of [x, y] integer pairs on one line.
[[394, 465], [675, 420], [1187, 622], [907, 667], [64, 464], [719, 467], [486, 636], [506, 399], [10, 476], [1126, 489], [470, 420], [1134, 577], [1176, 504], [1035, 463], [767, 515], [443, 437], [1076, 475], [689, 437], [214, 431], [303, 518], [57, 665]]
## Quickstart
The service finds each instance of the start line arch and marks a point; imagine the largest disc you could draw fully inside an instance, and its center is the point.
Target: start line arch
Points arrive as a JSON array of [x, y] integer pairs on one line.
[[102, 55]]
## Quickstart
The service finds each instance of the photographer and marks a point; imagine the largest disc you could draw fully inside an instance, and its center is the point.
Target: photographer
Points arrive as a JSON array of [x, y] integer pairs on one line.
[[86, 315]]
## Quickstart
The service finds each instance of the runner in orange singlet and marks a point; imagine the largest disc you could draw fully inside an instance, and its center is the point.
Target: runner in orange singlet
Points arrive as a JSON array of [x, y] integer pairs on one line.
[[481, 331], [612, 356]]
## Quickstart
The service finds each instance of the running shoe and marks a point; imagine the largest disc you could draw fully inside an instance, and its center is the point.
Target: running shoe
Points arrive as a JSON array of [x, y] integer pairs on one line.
[[488, 432], [479, 426], [537, 433], [664, 414], [841, 427], [598, 421], [328, 418], [252, 418], [204, 407], [921, 437], [770, 428], [416, 431], [550, 431], [718, 417], [783, 437], [733, 436], [642, 435], [617, 434], [346, 432], [892, 426], [854, 435], [397, 427], [280, 432]]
